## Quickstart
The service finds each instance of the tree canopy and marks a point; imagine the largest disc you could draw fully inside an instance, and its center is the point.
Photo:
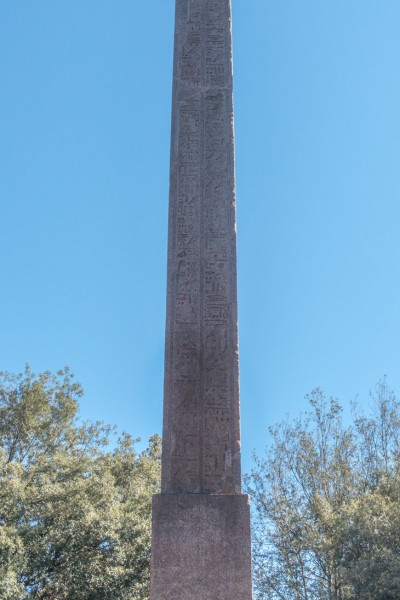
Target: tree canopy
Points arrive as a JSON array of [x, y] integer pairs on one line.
[[75, 506], [74, 512], [326, 499]]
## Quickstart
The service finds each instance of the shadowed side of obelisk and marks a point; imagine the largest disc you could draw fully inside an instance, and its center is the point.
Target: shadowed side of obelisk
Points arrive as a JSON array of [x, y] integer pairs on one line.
[[201, 521]]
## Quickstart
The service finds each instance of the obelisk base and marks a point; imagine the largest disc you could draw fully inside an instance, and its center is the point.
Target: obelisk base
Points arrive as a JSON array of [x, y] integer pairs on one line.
[[201, 547]]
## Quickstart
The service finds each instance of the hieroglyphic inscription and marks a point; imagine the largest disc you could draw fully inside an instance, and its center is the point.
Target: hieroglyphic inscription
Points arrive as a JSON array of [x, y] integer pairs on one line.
[[217, 448], [185, 460], [201, 381], [190, 67], [216, 49]]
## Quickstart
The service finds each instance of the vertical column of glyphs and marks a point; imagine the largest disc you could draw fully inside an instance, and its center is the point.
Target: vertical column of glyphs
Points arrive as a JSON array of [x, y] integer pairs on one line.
[[182, 396], [219, 261], [201, 419]]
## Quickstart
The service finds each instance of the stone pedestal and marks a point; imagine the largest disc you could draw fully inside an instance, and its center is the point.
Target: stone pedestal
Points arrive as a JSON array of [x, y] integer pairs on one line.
[[201, 547]]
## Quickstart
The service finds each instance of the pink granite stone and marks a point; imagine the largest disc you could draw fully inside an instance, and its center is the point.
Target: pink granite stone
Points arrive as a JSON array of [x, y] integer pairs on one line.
[[201, 547], [201, 522]]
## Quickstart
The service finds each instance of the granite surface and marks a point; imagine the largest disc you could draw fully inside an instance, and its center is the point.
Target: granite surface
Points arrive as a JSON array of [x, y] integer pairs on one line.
[[201, 547], [201, 437]]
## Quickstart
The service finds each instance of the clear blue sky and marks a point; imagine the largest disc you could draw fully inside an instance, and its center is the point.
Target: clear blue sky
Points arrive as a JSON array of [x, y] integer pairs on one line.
[[84, 160]]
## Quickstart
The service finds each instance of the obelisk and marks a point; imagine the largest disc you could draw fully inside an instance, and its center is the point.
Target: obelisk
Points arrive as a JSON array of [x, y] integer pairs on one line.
[[201, 546]]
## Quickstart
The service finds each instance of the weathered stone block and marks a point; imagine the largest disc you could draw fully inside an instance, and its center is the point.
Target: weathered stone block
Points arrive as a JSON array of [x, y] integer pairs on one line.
[[201, 547]]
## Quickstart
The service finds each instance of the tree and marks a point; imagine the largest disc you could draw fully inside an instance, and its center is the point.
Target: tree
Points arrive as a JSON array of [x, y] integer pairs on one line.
[[326, 498], [74, 514]]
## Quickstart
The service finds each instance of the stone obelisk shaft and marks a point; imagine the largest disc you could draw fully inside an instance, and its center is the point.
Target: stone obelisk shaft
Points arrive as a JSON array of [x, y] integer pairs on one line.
[[201, 521], [201, 438]]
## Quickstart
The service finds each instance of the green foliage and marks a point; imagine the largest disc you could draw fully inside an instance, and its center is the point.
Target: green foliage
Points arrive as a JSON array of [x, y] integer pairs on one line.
[[327, 505], [74, 515]]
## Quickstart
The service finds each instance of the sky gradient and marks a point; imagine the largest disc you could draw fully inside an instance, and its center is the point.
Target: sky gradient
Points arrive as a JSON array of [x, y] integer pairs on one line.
[[84, 162]]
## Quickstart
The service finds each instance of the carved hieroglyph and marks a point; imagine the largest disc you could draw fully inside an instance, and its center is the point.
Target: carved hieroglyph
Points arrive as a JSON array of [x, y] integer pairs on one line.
[[201, 439]]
